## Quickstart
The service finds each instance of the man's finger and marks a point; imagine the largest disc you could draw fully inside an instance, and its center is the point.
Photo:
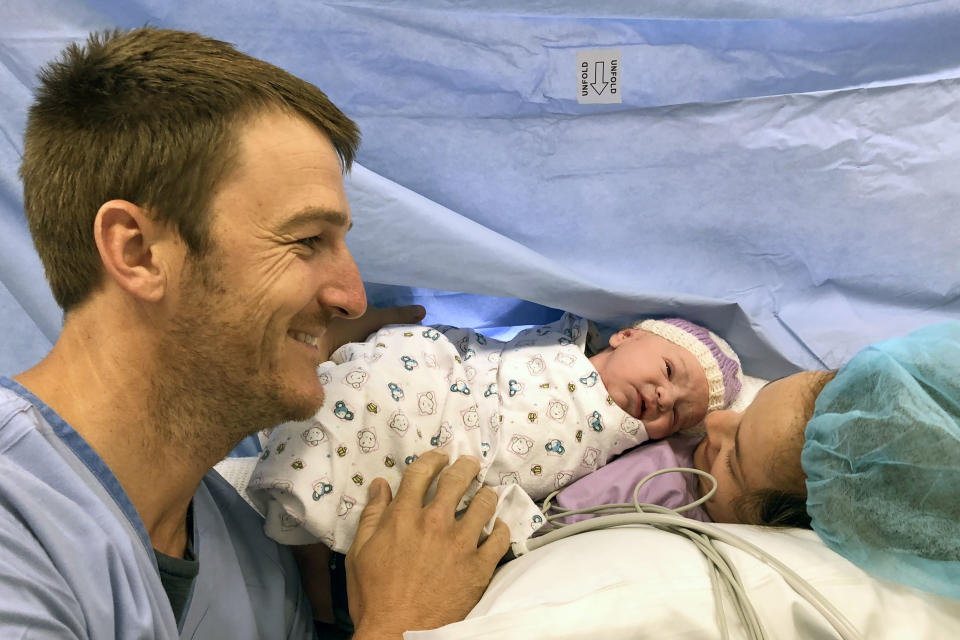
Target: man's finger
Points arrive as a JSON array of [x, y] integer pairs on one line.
[[496, 544], [481, 509], [418, 477], [454, 482], [379, 500]]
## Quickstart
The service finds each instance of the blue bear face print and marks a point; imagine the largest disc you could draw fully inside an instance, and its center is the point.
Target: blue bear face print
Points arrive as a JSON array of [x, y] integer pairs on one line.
[[432, 334], [491, 389], [595, 421], [460, 387], [469, 353], [410, 459], [341, 411], [514, 387], [408, 362], [537, 519], [556, 446], [321, 489], [589, 380], [484, 448], [481, 339], [395, 391]]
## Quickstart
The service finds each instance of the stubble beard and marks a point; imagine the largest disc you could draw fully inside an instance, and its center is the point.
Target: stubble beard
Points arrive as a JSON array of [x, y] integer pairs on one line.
[[216, 380]]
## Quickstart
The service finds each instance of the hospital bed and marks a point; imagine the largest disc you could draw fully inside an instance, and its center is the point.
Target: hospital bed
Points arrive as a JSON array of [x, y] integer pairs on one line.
[[783, 174]]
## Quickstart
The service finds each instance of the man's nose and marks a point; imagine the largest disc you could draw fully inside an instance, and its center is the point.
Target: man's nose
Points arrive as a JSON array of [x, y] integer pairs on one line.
[[342, 290]]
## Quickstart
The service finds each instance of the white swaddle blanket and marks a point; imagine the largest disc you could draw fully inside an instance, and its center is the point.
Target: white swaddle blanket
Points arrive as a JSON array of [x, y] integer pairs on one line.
[[533, 410]]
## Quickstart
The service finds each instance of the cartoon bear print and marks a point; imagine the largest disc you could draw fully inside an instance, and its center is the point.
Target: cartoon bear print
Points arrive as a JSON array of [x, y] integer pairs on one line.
[[536, 365], [429, 360], [322, 487], [289, 521], [442, 436], [590, 379], [595, 420], [510, 477], [494, 357], [520, 444], [367, 440], [471, 417], [566, 359], [426, 403], [342, 411], [356, 378], [591, 457], [557, 410], [630, 426], [495, 421], [345, 505], [399, 422], [324, 378], [470, 373], [460, 386], [562, 479], [313, 436], [554, 448]]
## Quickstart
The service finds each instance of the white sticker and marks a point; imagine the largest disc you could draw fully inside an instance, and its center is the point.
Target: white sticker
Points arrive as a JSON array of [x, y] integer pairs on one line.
[[598, 76]]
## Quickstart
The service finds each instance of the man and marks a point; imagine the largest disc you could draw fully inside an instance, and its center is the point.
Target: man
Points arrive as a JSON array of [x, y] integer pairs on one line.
[[188, 205]]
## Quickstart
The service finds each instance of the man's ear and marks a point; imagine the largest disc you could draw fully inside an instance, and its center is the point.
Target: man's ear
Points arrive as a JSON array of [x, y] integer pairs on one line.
[[133, 249]]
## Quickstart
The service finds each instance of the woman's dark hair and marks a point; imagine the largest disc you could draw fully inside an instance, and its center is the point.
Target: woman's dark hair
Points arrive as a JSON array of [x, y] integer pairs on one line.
[[785, 505], [773, 508]]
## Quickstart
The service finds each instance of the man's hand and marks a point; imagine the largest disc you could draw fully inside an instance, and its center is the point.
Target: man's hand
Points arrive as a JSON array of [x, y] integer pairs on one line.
[[412, 565], [340, 331]]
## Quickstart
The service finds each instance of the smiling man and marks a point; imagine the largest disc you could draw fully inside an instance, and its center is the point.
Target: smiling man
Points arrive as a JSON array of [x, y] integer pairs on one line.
[[188, 205]]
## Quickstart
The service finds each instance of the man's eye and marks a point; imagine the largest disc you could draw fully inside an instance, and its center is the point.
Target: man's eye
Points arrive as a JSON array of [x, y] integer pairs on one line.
[[313, 241]]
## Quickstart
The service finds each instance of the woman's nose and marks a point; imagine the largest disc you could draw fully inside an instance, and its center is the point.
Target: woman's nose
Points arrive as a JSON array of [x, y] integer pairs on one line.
[[720, 423]]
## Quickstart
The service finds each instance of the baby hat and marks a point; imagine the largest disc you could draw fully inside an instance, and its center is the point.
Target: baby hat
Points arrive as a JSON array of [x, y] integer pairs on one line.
[[718, 359], [882, 460]]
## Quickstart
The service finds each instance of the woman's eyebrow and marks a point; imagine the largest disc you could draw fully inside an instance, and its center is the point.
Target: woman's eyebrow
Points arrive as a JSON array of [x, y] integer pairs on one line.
[[736, 455]]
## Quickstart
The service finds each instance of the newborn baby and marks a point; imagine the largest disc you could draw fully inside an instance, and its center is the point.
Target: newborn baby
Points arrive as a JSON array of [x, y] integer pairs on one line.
[[536, 411]]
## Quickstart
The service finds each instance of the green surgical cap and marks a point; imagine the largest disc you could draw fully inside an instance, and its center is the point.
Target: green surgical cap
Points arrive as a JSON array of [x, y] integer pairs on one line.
[[882, 458]]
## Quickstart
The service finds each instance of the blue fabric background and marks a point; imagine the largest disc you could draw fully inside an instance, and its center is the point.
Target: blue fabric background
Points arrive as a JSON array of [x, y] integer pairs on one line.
[[784, 174]]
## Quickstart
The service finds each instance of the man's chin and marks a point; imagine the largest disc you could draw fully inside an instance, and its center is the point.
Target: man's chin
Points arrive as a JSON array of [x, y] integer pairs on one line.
[[303, 405]]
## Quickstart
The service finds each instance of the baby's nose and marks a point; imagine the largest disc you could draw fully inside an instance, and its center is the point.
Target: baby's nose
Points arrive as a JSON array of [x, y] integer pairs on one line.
[[666, 396]]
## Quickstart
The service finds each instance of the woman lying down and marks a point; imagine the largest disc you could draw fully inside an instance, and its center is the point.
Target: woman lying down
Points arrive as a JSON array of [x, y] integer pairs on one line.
[[849, 453]]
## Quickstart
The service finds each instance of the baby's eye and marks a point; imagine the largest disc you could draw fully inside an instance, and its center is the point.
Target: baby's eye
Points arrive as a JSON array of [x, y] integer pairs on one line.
[[669, 369]]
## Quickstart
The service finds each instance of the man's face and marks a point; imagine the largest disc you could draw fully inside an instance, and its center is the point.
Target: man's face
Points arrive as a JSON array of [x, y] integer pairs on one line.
[[250, 312]]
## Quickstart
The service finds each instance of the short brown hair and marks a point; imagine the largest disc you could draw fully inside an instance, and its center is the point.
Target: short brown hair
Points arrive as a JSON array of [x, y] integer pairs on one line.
[[150, 116], [785, 506]]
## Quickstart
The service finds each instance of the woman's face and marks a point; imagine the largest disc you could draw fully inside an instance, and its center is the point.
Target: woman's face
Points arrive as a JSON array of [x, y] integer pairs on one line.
[[756, 449]]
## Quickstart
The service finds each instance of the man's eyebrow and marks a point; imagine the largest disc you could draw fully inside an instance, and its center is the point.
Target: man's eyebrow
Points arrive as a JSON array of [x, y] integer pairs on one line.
[[314, 214]]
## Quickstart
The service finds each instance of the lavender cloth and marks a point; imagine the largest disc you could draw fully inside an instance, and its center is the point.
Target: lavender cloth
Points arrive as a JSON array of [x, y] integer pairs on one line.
[[615, 482]]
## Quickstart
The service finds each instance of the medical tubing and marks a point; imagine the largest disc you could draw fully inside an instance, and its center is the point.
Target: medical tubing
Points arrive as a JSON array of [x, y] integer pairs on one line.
[[703, 536]]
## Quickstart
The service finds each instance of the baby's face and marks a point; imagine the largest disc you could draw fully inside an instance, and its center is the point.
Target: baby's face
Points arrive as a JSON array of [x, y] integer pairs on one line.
[[653, 380]]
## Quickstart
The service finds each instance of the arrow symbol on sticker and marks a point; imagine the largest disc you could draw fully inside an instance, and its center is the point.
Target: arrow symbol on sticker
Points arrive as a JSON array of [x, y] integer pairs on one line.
[[599, 77]]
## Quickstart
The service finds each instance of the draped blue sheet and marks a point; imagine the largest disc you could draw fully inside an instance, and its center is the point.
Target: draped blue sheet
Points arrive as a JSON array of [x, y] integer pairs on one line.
[[785, 174]]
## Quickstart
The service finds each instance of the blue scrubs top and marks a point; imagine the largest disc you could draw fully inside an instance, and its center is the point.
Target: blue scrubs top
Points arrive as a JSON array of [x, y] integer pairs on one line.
[[76, 560]]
